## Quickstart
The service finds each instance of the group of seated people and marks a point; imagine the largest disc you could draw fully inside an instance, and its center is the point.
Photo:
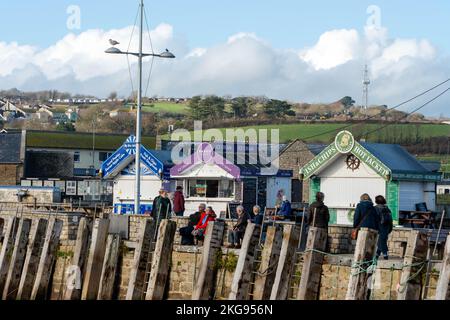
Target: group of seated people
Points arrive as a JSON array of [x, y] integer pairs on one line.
[[198, 221]]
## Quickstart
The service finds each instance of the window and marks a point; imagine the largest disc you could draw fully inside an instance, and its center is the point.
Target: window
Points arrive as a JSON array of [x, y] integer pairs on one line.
[[76, 156], [202, 188], [102, 156], [447, 191]]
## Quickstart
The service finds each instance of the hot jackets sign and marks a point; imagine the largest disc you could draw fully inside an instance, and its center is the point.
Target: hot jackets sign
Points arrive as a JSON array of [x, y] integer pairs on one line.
[[344, 144]]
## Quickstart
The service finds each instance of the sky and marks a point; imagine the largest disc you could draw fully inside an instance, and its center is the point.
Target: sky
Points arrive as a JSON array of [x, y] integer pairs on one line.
[[303, 51]]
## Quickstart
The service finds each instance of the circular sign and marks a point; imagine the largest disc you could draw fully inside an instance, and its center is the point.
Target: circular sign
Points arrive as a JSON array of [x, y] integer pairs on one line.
[[344, 142]]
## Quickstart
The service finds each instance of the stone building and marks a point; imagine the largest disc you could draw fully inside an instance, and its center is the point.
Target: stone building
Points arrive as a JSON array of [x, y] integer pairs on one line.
[[294, 156], [12, 157]]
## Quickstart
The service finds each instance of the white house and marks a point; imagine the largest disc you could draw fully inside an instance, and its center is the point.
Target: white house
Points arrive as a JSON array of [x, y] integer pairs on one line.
[[346, 169], [207, 176], [120, 167]]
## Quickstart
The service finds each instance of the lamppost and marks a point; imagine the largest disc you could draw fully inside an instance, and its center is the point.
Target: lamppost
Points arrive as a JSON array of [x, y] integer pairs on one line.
[[140, 55]]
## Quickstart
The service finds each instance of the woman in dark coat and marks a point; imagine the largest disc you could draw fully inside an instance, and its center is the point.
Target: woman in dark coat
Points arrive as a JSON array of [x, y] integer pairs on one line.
[[386, 226], [365, 214]]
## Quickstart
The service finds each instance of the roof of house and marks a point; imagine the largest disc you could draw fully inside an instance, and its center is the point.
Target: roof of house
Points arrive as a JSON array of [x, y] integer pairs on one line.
[[434, 166], [71, 140], [10, 144], [395, 157]]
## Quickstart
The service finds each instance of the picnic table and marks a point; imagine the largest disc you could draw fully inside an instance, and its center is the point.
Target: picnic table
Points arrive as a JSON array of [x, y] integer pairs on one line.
[[424, 219]]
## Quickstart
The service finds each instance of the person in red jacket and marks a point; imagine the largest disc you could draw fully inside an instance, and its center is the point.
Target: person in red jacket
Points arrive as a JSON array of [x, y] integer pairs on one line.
[[178, 202], [206, 217]]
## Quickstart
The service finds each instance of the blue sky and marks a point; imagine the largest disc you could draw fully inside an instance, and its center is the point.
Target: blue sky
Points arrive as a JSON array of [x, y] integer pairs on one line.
[[284, 23], [303, 51]]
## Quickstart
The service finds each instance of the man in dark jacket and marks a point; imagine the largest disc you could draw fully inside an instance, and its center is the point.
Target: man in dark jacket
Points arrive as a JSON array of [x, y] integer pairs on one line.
[[237, 233], [318, 214], [365, 214], [162, 208], [178, 202], [187, 239]]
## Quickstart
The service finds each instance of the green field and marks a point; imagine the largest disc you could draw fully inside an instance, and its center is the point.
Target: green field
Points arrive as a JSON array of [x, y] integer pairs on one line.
[[325, 132], [39, 139], [165, 107]]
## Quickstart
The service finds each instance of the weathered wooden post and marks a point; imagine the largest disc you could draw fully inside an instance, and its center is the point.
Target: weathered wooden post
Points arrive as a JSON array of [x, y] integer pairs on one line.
[[362, 260], [161, 260], [312, 264], [75, 271], [17, 260], [413, 264], [204, 288], [31, 263], [443, 288], [269, 261], [48, 256], [94, 264], [11, 226], [107, 279], [285, 268], [142, 254], [243, 273]]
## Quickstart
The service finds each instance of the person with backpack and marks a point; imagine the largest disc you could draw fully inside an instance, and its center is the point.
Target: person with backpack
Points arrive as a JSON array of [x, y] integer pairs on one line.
[[365, 214], [386, 226]]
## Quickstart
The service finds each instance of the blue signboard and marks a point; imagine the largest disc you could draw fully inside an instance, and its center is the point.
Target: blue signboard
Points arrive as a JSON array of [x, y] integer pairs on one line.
[[120, 159], [122, 208]]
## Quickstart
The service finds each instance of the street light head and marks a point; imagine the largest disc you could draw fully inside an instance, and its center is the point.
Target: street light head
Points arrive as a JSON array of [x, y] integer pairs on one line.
[[167, 54], [113, 50]]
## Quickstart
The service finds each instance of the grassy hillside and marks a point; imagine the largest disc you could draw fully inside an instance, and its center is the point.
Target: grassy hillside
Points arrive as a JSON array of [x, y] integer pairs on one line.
[[168, 107], [37, 139], [325, 132]]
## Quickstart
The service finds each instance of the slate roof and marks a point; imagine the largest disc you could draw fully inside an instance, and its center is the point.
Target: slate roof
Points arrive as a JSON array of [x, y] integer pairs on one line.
[[10, 144], [395, 157]]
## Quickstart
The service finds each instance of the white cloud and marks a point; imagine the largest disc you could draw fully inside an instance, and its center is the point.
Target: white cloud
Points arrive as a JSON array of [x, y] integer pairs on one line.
[[243, 64], [334, 48]]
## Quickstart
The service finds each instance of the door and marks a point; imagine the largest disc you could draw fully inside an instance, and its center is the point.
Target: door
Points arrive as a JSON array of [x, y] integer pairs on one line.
[[297, 190], [249, 194]]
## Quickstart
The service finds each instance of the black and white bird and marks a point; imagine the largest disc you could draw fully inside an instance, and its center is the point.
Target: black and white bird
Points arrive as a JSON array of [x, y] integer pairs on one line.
[[113, 42]]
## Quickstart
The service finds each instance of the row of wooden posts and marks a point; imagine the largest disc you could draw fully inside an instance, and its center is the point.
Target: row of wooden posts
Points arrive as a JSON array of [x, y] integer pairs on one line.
[[26, 262], [276, 266]]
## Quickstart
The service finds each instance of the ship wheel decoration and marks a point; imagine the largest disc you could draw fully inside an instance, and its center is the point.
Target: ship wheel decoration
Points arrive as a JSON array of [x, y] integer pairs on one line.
[[353, 162]]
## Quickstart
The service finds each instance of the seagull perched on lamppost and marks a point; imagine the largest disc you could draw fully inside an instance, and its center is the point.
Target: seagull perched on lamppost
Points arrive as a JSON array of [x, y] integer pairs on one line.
[[113, 42], [166, 54]]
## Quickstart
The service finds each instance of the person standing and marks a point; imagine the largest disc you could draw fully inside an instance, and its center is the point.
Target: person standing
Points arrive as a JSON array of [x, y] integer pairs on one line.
[[178, 202], [386, 226], [365, 214], [237, 233], [317, 214], [162, 207]]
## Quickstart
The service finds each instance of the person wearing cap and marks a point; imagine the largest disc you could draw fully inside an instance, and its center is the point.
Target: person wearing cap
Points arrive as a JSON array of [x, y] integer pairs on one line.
[[162, 207], [178, 202]]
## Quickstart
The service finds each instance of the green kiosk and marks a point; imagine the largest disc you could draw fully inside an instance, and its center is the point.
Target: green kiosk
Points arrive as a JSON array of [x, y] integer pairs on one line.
[[347, 168]]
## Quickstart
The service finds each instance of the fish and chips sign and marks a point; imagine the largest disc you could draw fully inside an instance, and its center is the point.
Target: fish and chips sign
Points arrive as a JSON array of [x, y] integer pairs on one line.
[[345, 143]]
